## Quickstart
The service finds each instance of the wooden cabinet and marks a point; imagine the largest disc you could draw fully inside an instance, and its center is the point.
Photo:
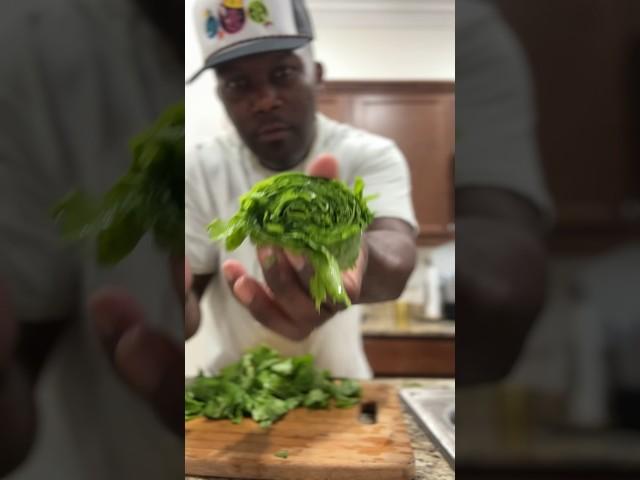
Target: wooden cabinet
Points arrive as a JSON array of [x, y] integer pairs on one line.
[[419, 117], [410, 356], [585, 61]]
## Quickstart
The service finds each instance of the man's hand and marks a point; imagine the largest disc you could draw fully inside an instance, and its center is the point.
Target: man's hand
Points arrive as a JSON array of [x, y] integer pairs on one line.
[[284, 303], [500, 285], [149, 362], [187, 294]]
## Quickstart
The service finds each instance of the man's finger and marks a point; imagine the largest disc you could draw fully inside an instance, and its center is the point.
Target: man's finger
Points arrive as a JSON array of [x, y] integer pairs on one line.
[[352, 279], [178, 265], [188, 277], [191, 315], [149, 363], [265, 310], [146, 360], [287, 289], [114, 312], [232, 271], [302, 267], [325, 166]]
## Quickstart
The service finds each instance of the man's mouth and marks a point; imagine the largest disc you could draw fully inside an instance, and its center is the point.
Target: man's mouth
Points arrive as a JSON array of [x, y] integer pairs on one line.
[[273, 132]]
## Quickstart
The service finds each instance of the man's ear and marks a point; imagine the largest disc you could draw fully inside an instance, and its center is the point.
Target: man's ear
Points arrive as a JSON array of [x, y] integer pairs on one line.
[[319, 73]]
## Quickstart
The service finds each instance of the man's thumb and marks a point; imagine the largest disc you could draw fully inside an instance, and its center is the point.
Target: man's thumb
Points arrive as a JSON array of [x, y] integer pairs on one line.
[[325, 166]]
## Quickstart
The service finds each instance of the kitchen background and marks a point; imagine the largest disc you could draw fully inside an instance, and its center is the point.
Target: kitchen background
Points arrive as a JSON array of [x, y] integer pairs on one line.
[[570, 407], [390, 69]]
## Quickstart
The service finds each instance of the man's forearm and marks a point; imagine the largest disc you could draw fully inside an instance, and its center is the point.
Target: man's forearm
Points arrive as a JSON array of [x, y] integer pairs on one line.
[[391, 259], [500, 281]]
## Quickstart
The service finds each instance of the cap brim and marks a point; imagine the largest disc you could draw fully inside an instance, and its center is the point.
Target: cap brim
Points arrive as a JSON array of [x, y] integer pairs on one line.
[[251, 47]]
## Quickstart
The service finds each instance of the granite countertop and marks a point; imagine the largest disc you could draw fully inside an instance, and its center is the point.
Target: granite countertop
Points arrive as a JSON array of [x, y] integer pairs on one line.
[[430, 465], [386, 326]]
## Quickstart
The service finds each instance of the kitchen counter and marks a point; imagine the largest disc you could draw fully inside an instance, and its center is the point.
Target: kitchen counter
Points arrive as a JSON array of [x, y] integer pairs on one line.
[[430, 465], [381, 320], [386, 327], [508, 427]]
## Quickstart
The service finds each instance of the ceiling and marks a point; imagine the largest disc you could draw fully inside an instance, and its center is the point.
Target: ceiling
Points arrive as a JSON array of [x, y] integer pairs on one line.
[[383, 13]]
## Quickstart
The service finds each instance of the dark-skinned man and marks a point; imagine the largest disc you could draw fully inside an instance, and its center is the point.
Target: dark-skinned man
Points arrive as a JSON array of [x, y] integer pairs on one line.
[[267, 81]]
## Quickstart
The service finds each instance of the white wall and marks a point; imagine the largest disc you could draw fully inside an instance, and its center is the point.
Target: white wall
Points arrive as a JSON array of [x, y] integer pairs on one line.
[[355, 40]]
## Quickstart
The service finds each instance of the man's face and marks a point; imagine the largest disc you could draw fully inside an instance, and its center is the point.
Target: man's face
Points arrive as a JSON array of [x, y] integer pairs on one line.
[[270, 99]]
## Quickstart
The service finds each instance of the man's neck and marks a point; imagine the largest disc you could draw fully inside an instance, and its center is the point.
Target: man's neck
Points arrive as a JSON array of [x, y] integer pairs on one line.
[[282, 167]]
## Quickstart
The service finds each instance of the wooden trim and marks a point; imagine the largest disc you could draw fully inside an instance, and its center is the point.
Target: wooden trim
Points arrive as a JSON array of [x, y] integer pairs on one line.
[[373, 87], [410, 356], [431, 239]]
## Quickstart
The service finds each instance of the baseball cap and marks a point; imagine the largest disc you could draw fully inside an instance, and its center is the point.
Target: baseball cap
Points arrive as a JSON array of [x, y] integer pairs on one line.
[[231, 29]]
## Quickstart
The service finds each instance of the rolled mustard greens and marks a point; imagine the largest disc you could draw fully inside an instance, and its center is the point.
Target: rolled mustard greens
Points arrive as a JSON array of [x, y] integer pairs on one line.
[[319, 218]]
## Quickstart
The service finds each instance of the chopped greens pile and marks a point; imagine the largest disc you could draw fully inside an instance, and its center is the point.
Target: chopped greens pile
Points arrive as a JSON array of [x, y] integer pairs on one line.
[[148, 198], [265, 386], [319, 218]]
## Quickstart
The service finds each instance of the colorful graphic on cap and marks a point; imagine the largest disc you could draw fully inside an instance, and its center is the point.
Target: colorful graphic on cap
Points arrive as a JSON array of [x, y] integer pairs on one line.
[[259, 13], [232, 15], [211, 24]]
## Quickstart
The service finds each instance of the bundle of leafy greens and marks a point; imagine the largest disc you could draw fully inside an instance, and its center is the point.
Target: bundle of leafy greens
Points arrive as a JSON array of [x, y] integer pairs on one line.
[[265, 386], [319, 218], [148, 198]]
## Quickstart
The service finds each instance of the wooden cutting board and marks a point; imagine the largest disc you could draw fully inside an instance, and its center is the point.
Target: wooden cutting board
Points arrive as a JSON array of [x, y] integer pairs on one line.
[[322, 444]]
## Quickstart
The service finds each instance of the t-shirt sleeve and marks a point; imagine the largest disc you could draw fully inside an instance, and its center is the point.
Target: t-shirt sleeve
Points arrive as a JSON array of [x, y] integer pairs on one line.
[[496, 142], [200, 210], [386, 175]]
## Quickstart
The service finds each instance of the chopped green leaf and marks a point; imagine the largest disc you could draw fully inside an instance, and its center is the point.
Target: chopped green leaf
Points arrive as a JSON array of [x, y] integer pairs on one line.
[[319, 218], [282, 454], [265, 386]]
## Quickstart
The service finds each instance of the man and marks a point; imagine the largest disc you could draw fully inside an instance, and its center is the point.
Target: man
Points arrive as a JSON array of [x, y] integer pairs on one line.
[[80, 78], [267, 79], [502, 205]]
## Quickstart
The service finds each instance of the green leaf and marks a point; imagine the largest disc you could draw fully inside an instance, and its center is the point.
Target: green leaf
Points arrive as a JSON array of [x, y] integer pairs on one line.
[[147, 198], [265, 386], [319, 218], [282, 454], [316, 398]]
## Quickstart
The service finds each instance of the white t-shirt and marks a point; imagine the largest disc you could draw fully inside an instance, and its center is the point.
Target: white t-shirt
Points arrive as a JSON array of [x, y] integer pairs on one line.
[[217, 174], [80, 78], [496, 144]]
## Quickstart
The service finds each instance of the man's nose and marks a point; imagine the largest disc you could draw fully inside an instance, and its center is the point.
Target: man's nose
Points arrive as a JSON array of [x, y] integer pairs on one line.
[[266, 99]]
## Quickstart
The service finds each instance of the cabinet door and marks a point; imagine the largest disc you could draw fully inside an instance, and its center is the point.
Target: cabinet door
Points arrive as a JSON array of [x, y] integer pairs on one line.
[[587, 117], [336, 106], [423, 128]]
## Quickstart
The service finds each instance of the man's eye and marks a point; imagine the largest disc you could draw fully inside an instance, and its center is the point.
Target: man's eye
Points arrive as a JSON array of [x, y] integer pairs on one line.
[[284, 73], [235, 85]]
